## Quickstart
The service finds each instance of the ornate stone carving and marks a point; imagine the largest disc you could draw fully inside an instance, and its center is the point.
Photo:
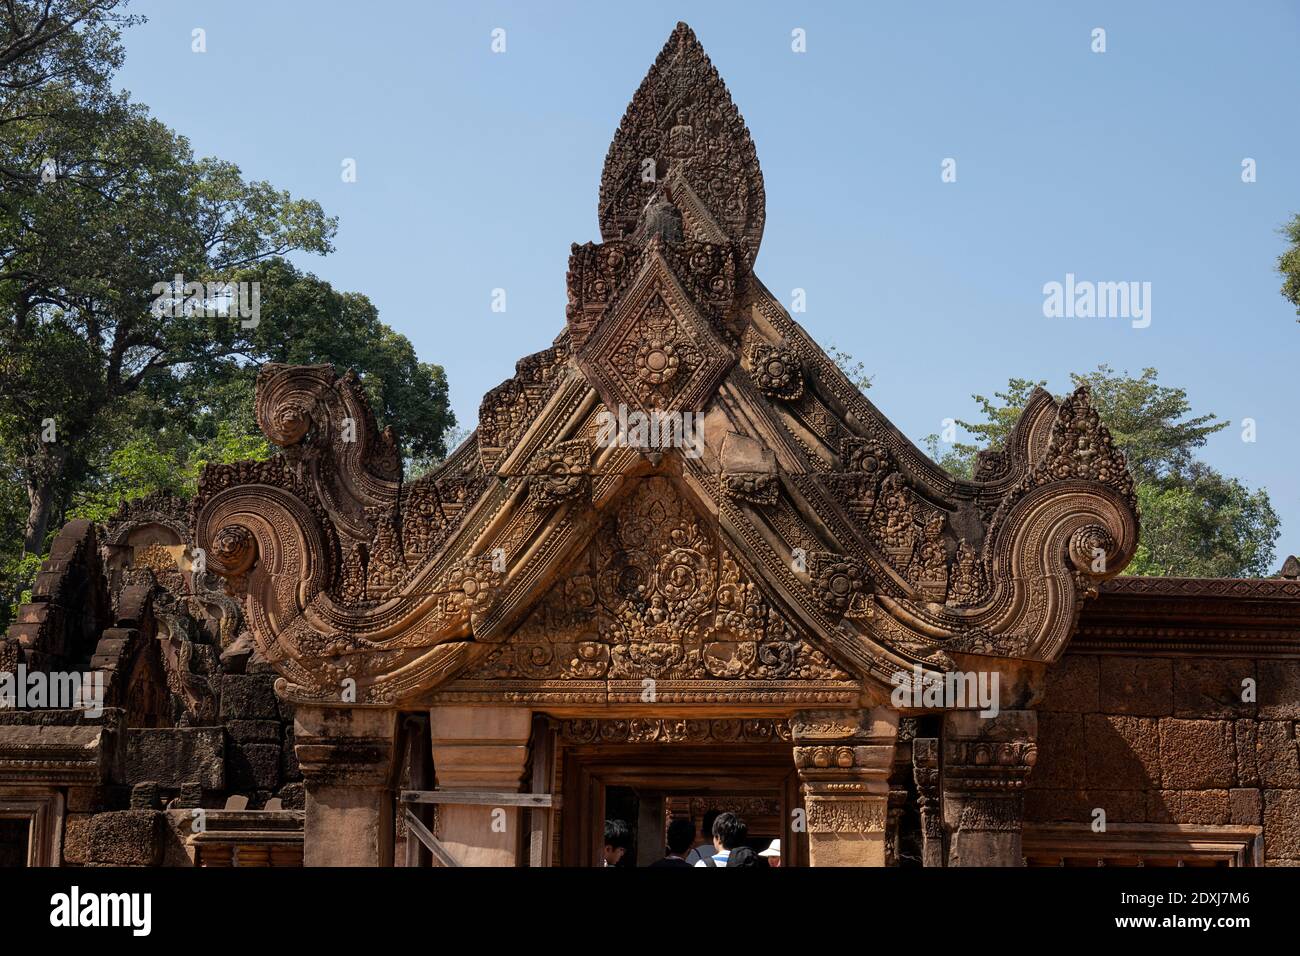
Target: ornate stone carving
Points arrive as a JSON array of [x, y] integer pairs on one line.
[[925, 771], [348, 573], [837, 580], [682, 124], [559, 473], [656, 595], [929, 571], [653, 350], [777, 372], [680, 731]]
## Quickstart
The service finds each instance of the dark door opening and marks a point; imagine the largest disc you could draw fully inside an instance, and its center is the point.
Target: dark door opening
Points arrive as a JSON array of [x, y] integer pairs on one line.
[[15, 836]]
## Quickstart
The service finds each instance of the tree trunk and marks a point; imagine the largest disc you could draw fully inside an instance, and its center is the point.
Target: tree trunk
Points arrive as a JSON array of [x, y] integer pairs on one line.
[[44, 470]]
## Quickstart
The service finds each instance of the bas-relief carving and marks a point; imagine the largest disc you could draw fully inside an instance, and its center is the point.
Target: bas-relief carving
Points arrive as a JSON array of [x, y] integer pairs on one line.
[[527, 564], [656, 595]]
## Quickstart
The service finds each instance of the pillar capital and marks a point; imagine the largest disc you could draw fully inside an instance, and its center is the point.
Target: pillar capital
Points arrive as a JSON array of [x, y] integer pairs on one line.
[[986, 764], [844, 760]]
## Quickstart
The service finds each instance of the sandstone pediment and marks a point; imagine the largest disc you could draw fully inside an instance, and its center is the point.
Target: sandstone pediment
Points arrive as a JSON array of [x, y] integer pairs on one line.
[[796, 544]]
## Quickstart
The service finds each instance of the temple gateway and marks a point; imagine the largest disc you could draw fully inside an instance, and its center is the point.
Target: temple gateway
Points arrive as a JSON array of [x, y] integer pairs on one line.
[[683, 564]]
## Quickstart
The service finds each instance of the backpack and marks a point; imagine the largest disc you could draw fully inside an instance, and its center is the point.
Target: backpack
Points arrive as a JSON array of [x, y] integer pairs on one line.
[[745, 856]]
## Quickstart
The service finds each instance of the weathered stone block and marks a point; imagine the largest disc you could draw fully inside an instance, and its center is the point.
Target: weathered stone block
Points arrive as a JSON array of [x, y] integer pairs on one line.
[[1212, 687], [1188, 806], [1279, 690], [1276, 755], [1080, 806], [1282, 824], [249, 697], [1246, 736], [254, 767], [88, 799], [1197, 754], [76, 839], [255, 731], [127, 838], [1072, 685], [1123, 753], [1245, 807], [289, 769], [174, 756], [146, 796], [1062, 762], [1141, 686]]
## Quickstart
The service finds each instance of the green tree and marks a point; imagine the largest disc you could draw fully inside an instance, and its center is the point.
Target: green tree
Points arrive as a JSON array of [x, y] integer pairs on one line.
[[108, 393], [855, 370], [1288, 264], [1000, 416], [1196, 522]]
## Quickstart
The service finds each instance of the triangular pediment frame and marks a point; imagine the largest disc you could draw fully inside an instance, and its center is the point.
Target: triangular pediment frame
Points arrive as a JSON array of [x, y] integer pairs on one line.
[[365, 590]]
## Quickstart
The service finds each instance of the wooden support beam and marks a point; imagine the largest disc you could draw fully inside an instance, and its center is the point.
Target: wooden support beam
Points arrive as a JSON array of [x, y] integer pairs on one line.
[[414, 825], [486, 798]]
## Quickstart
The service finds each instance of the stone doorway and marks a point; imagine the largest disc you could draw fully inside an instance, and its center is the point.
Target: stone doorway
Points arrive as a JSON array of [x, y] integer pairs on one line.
[[648, 784]]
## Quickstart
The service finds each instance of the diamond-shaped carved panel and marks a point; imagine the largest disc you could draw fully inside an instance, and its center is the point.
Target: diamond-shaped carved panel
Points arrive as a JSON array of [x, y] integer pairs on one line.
[[654, 351]]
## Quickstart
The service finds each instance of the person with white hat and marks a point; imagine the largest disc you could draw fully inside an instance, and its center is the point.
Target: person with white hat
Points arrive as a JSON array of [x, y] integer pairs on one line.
[[773, 853]]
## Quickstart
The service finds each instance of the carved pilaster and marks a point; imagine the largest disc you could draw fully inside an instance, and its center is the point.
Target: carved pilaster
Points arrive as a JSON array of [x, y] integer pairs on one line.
[[925, 771], [986, 762], [346, 755], [844, 760], [483, 749]]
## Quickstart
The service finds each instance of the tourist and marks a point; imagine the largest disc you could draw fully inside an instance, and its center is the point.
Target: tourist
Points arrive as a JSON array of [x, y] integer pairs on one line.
[[729, 832], [773, 853], [681, 834], [704, 849], [618, 840]]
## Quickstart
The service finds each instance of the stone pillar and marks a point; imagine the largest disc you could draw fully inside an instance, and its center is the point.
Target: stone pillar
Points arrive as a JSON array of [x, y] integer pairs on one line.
[[844, 760], [986, 761], [481, 749], [347, 757], [925, 771]]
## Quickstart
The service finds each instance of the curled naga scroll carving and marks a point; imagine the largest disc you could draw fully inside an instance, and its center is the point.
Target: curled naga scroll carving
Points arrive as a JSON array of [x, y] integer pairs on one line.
[[328, 431]]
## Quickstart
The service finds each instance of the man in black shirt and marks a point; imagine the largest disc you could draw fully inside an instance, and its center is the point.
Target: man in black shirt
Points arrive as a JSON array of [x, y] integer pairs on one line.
[[681, 834]]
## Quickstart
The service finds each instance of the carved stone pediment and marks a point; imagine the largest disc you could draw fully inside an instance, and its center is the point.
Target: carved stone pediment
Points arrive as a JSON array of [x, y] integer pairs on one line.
[[656, 604], [801, 545], [653, 351]]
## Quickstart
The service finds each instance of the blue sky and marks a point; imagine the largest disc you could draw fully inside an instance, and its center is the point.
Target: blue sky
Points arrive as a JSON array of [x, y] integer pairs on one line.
[[477, 170]]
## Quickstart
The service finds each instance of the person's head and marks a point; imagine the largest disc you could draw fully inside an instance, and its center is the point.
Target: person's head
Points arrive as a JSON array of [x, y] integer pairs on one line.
[[618, 840], [706, 832], [681, 835], [729, 831]]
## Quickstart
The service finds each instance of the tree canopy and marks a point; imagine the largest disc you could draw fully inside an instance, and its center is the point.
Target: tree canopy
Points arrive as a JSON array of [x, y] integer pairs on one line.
[[109, 392], [1196, 521]]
